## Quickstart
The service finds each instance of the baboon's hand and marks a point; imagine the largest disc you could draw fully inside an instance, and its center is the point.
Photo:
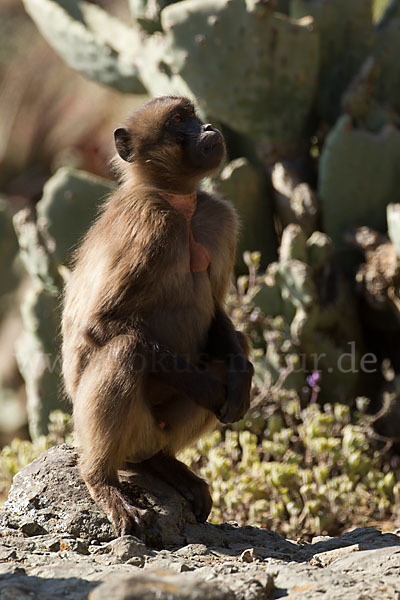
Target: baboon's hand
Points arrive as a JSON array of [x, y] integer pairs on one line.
[[238, 394], [213, 394]]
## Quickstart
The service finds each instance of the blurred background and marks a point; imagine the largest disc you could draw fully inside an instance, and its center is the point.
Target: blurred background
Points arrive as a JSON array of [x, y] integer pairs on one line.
[[50, 116], [307, 94]]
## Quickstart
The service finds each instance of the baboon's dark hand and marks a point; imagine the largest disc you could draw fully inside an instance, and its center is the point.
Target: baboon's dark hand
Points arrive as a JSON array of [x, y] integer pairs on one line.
[[213, 395], [238, 396]]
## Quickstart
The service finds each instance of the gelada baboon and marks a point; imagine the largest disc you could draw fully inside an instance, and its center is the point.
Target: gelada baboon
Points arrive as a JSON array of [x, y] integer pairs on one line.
[[150, 358]]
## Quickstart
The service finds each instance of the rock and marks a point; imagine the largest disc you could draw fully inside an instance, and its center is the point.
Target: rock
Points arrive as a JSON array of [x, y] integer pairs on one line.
[[49, 496], [161, 586], [192, 550], [56, 543], [127, 547], [326, 558]]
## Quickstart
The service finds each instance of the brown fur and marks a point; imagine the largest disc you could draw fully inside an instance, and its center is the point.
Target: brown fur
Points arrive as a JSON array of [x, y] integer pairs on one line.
[[130, 300]]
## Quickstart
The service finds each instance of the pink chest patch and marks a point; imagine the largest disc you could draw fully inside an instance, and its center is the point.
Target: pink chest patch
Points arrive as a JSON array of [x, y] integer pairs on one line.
[[200, 257]]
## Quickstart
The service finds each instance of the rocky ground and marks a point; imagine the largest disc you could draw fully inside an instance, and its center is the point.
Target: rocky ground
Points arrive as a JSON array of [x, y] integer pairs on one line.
[[55, 543]]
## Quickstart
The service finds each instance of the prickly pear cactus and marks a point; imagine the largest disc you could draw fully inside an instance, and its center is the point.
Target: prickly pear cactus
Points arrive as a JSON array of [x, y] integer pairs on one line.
[[346, 36], [242, 184], [69, 204], [38, 358], [387, 54], [294, 292], [37, 349], [91, 41], [261, 67], [358, 177]]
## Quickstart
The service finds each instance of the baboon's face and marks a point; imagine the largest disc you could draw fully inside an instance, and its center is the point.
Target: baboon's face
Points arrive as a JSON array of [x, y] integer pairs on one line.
[[165, 135]]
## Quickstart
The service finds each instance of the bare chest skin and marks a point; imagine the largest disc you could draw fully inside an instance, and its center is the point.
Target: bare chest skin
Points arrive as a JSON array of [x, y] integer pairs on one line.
[[188, 297]]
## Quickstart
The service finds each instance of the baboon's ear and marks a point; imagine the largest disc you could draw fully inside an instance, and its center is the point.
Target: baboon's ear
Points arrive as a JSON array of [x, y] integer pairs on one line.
[[124, 145]]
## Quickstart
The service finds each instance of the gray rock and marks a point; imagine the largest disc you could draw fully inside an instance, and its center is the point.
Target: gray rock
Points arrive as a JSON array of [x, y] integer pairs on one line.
[[56, 543], [322, 559], [127, 547], [385, 561], [149, 586], [49, 496], [18, 586], [238, 539], [192, 550]]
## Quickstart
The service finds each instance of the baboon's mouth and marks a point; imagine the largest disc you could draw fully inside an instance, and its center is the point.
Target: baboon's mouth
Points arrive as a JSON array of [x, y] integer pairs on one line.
[[212, 139]]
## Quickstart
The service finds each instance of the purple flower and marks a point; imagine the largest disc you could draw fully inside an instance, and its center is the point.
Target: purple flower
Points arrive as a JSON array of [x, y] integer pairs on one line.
[[314, 378], [313, 381]]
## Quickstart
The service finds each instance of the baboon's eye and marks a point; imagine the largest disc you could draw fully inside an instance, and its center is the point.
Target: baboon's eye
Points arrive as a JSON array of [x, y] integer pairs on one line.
[[177, 119]]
